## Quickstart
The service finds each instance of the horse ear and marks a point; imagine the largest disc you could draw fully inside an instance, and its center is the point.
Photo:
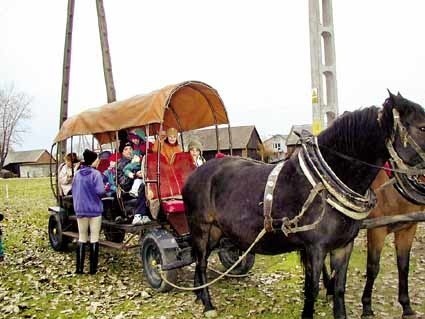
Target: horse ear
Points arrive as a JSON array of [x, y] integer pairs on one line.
[[399, 95], [392, 96]]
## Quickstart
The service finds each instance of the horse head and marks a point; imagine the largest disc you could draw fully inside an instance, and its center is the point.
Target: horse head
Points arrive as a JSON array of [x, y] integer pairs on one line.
[[406, 146], [407, 137]]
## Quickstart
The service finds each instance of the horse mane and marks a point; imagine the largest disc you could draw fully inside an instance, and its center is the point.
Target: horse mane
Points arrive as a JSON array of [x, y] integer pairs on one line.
[[351, 133], [366, 124]]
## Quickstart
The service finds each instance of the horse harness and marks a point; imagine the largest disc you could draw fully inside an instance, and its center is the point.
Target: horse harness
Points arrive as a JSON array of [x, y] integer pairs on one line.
[[335, 192], [404, 175], [324, 182]]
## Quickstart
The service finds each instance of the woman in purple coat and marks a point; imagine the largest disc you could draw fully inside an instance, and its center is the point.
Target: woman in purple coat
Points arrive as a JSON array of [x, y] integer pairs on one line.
[[87, 190]]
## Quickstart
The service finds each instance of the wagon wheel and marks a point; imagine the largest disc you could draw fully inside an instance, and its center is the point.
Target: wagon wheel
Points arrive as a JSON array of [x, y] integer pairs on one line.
[[152, 260], [58, 241], [113, 234], [229, 255]]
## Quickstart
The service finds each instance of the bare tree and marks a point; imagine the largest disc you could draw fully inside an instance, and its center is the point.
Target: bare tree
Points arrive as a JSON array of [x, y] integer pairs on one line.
[[14, 110]]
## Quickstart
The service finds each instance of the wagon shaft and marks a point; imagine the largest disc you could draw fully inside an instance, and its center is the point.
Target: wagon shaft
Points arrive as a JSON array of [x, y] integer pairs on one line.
[[387, 220]]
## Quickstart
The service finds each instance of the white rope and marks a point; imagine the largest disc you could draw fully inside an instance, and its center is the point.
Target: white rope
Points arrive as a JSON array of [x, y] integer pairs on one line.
[[161, 272], [227, 275]]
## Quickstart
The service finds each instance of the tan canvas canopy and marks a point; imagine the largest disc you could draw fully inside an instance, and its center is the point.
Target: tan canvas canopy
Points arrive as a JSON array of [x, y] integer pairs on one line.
[[186, 106]]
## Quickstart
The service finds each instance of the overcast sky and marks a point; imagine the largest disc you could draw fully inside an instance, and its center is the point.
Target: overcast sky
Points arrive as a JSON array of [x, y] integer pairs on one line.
[[255, 53]]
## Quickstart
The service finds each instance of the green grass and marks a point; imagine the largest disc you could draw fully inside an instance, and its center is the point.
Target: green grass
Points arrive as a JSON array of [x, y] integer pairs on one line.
[[37, 282]]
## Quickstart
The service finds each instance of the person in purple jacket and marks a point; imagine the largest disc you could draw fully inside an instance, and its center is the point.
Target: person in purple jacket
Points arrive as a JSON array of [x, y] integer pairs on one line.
[[87, 190]]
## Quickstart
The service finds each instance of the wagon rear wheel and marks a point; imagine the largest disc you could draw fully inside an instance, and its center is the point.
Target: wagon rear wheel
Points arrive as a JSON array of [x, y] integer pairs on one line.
[[230, 255], [58, 241], [152, 261]]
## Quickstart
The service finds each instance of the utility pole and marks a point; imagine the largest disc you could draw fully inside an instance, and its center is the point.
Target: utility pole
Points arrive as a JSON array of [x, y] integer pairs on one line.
[[324, 94], [66, 69], [107, 65]]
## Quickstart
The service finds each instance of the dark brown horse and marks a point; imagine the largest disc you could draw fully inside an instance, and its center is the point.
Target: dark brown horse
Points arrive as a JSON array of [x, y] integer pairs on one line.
[[225, 197], [390, 202]]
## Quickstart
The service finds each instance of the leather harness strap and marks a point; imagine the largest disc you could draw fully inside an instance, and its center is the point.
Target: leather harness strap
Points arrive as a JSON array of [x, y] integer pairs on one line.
[[268, 196]]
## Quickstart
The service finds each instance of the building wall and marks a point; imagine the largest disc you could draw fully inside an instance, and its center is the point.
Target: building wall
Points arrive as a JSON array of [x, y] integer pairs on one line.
[[37, 170], [253, 153], [45, 158], [14, 168], [276, 144]]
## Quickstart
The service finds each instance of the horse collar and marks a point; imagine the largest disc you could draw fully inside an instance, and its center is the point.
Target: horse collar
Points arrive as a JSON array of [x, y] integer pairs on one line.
[[340, 196]]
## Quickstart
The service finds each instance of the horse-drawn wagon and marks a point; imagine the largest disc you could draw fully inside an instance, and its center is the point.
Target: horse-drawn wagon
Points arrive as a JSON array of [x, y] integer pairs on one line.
[[165, 242]]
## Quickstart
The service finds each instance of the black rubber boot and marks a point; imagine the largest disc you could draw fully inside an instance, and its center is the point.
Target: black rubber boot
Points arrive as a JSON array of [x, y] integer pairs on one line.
[[94, 257], [81, 253]]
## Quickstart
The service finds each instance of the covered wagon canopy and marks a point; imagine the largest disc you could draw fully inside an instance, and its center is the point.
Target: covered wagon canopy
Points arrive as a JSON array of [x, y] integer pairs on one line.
[[186, 106]]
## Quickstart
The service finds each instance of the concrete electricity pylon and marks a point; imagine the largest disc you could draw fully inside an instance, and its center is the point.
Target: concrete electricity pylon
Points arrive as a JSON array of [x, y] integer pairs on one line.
[[107, 66], [324, 93]]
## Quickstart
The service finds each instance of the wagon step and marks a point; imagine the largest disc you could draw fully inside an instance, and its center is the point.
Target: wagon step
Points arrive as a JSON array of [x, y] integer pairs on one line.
[[129, 228], [106, 243]]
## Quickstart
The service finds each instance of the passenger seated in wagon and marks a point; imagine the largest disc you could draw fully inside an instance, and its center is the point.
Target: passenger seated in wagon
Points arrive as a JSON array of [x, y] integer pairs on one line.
[[126, 180], [167, 144], [195, 150], [109, 175], [66, 173], [138, 138]]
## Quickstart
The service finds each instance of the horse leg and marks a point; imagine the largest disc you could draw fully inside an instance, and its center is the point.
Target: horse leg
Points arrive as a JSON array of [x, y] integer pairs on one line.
[[339, 264], [375, 243], [403, 243], [328, 280], [201, 251], [312, 258]]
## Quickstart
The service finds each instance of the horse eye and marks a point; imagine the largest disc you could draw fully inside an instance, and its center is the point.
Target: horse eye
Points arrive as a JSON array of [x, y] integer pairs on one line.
[[422, 129]]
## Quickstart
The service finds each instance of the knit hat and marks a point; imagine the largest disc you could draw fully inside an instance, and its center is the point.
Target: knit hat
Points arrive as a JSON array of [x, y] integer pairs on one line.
[[194, 144], [104, 155], [172, 132], [124, 144], [137, 133], [89, 157]]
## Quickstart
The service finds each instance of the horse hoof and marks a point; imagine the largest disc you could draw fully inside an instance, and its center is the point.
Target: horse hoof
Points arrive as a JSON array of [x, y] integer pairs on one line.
[[210, 313], [368, 316], [411, 316]]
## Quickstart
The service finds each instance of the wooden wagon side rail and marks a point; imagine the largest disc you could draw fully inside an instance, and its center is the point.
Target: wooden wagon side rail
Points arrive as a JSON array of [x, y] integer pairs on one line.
[[387, 220]]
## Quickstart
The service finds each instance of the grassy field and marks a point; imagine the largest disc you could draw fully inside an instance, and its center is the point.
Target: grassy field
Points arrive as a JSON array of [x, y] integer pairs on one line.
[[37, 282]]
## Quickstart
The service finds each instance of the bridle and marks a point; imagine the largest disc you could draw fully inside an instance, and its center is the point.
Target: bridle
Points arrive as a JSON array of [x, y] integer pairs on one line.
[[406, 140], [406, 183]]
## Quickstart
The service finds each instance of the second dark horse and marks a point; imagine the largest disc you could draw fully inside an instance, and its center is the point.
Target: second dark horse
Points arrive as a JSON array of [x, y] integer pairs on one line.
[[224, 198]]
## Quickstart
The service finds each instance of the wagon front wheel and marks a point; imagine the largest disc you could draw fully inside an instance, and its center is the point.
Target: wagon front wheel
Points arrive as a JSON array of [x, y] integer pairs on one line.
[[58, 241], [230, 255], [152, 261]]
